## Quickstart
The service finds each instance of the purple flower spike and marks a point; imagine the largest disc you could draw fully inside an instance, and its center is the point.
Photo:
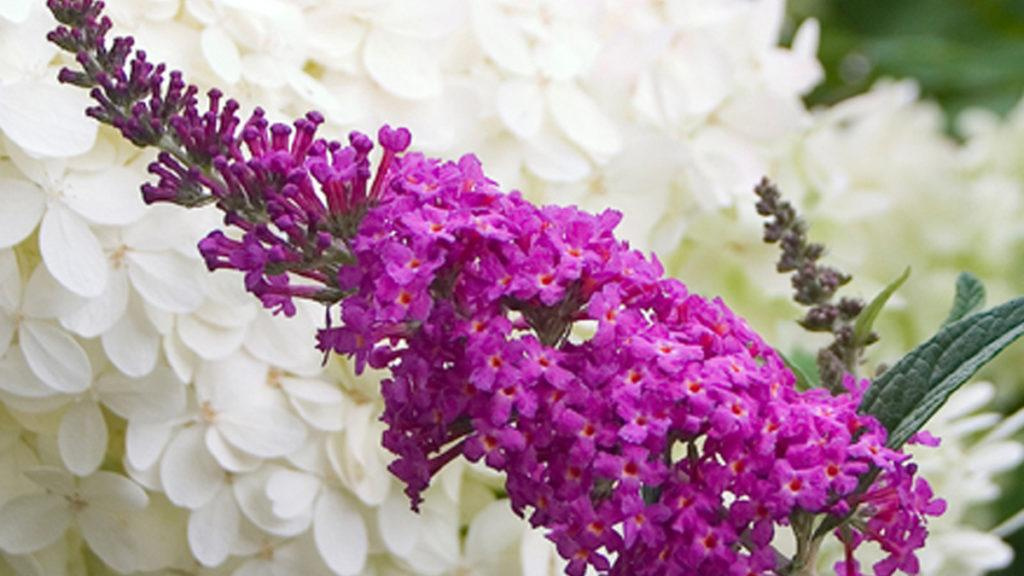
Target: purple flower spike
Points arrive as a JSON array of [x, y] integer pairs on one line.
[[670, 441]]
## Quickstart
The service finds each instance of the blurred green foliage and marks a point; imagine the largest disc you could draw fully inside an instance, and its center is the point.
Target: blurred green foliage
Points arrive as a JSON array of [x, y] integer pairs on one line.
[[963, 53]]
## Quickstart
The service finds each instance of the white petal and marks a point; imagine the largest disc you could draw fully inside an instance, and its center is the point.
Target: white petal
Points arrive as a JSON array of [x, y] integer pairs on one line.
[[438, 551], [145, 441], [234, 381], [313, 391], [340, 534], [553, 159], [230, 458], [261, 69], [36, 408], [10, 281], [162, 320], [32, 522], [292, 492], [72, 253], [299, 556], [286, 342], [420, 19], [110, 196], [154, 398], [112, 536], [82, 437], [521, 107], [537, 555], [221, 53], [212, 529], [188, 472], [358, 458], [54, 480], [181, 359], [318, 403], [251, 495], [46, 119], [267, 432], [97, 315], [112, 492], [15, 10], [332, 35], [8, 325], [209, 341], [54, 356], [402, 65], [44, 297], [227, 303], [567, 53], [167, 227], [162, 532], [764, 116], [167, 280], [316, 94], [493, 530], [399, 526], [23, 207], [133, 345], [501, 39], [582, 121], [17, 378]]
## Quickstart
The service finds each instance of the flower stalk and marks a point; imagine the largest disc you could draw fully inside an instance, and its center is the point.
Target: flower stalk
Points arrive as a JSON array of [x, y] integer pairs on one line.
[[814, 286]]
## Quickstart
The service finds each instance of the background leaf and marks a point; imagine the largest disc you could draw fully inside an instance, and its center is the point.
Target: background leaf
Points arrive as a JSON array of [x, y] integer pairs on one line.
[[963, 53], [804, 367], [970, 297], [909, 393], [866, 319]]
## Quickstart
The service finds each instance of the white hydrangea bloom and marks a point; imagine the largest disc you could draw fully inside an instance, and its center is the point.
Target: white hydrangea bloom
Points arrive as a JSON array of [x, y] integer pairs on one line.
[[99, 505], [57, 362], [38, 115]]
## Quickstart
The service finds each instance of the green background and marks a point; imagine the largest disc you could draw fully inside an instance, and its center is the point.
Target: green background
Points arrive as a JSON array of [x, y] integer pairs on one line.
[[963, 53]]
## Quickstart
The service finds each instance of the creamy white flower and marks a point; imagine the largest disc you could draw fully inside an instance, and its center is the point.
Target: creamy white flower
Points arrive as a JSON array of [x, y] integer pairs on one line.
[[40, 116], [100, 506], [278, 557], [287, 503], [237, 420], [54, 357], [65, 198], [83, 433]]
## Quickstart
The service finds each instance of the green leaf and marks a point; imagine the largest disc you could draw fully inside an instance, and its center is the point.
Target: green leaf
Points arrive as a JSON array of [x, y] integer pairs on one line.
[[796, 364], [970, 297], [909, 393], [866, 319]]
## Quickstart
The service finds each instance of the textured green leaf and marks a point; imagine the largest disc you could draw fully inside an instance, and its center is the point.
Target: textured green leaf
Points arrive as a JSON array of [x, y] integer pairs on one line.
[[909, 393], [866, 319], [970, 297]]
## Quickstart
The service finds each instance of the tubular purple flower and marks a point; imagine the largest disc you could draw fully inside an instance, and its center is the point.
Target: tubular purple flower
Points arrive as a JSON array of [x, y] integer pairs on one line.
[[671, 441]]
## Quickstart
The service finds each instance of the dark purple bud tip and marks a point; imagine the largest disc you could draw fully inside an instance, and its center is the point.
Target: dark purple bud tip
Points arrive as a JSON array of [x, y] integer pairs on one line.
[[395, 140], [361, 142], [315, 117], [152, 194]]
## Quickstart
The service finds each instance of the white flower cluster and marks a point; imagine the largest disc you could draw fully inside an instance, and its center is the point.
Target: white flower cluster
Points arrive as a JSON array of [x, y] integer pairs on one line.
[[155, 420]]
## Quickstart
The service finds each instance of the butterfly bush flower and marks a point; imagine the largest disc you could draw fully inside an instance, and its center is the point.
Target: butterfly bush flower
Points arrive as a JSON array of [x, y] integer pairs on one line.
[[671, 441]]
